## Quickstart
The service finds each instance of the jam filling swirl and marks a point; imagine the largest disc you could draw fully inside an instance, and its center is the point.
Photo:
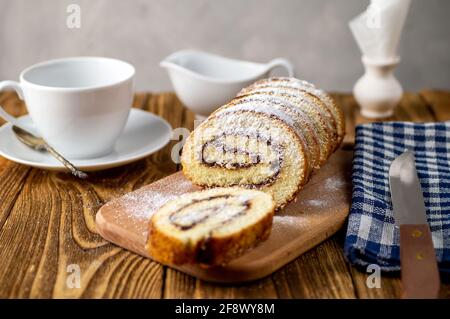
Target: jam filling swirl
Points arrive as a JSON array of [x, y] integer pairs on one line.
[[185, 220], [233, 152]]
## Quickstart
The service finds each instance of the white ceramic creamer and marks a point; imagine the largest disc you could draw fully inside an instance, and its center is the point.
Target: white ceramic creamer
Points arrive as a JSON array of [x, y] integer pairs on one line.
[[203, 81]]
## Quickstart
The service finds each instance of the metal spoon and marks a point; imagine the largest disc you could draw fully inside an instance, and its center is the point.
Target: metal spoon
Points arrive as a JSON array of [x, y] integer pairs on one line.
[[39, 144]]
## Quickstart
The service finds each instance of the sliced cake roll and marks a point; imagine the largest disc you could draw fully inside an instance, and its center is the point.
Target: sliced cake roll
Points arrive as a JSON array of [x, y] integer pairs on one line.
[[210, 227], [271, 137], [293, 83], [253, 145], [313, 106], [303, 123], [303, 110]]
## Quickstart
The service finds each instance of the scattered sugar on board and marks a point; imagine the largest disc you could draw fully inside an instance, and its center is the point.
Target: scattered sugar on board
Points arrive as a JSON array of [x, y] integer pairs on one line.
[[317, 203], [286, 221], [141, 204], [334, 183]]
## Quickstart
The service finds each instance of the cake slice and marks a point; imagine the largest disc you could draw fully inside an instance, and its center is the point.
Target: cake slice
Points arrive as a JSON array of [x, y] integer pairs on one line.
[[210, 227]]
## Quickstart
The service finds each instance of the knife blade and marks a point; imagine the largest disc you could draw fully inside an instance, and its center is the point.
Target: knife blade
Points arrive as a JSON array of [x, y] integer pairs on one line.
[[419, 270], [406, 192]]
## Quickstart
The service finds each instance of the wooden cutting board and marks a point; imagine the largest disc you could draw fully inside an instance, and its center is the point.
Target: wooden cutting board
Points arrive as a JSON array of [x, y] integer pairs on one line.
[[318, 212]]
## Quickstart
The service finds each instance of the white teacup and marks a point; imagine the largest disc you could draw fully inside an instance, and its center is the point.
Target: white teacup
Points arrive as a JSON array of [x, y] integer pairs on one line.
[[79, 105]]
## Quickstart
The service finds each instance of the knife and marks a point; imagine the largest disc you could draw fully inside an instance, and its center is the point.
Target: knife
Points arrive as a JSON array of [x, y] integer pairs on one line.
[[419, 270]]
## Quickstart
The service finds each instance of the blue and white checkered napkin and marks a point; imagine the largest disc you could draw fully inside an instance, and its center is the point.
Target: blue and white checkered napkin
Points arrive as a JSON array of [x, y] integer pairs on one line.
[[372, 237]]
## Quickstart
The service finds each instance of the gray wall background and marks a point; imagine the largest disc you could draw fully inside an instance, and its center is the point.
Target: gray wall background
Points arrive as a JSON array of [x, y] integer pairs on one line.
[[313, 34]]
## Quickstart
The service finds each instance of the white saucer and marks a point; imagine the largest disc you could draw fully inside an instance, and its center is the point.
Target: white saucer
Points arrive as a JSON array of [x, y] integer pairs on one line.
[[143, 135]]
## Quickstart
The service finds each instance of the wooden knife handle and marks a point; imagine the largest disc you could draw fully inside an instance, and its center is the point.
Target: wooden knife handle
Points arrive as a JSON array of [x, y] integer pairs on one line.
[[420, 274]]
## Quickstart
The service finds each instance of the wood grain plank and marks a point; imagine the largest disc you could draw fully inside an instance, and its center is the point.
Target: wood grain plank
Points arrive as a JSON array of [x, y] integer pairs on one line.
[[12, 180], [53, 219], [3, 164], [439, 103], [12, 176], [445, 287], [320, 273], [390, 285], [178, 285], [140, 100], [51, 215], [263, 289], [413, 108], [11, 103]]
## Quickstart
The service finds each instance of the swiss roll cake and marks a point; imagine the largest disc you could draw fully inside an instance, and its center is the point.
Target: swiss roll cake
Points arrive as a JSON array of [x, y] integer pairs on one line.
[[210, 227], [271, 137]]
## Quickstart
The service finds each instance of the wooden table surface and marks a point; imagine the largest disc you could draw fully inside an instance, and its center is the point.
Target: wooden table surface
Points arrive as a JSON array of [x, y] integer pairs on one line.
[[47, 224]]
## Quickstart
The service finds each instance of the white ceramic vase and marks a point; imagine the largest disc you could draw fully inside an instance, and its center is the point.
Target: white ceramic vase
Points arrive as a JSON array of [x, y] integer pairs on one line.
[[378, 91]]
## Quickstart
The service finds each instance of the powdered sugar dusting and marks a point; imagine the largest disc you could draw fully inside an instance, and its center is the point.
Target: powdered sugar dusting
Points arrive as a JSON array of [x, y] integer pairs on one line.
[[280, 103], [317, 203], [229, 124], [259, 108], [306, 100], [279, 81], [293, 83], [334, 183], [270, 107], [279, 219], [141, 204], [285, 222]]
